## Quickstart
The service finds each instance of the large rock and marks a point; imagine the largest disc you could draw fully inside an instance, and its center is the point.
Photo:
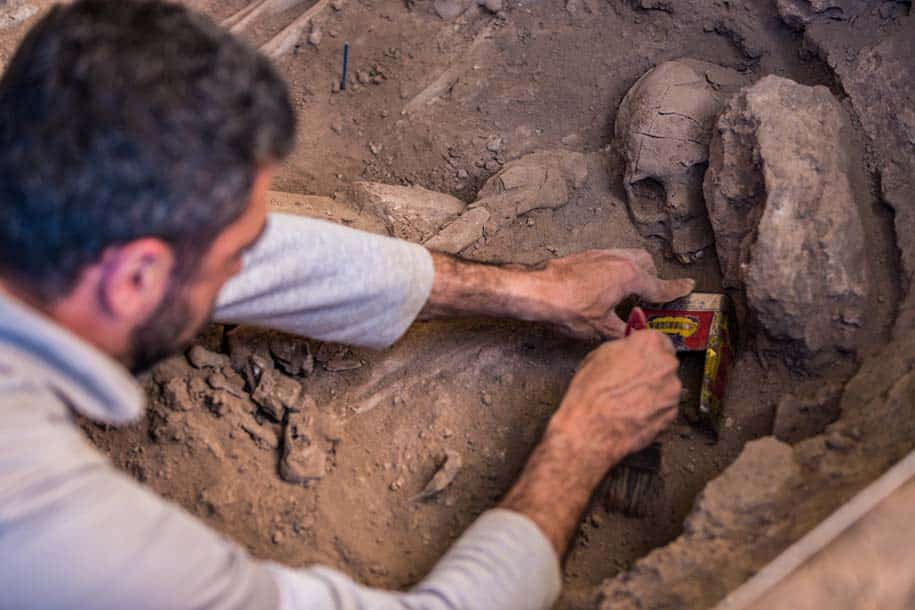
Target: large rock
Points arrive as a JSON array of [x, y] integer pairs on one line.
[[881, 86], [784, 211], [662, 131], [740, 520]]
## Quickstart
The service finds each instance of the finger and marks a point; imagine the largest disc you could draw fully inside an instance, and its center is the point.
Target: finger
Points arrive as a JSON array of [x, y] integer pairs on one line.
[[654, 340], [656, 290], [612, 327]]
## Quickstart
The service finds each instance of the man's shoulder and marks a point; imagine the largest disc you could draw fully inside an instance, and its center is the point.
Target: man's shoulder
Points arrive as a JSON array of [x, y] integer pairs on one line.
[[23, 382]]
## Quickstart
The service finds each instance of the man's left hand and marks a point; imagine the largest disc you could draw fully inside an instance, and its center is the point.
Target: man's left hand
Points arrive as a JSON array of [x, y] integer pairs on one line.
[[576, 294], [581, 291]]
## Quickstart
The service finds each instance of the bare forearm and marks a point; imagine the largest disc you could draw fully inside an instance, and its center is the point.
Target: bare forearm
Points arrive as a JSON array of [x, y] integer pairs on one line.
[[464, 288], [555, 487]]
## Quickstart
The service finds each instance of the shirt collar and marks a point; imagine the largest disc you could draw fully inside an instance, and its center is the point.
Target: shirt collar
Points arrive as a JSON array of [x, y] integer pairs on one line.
[[92, 382]]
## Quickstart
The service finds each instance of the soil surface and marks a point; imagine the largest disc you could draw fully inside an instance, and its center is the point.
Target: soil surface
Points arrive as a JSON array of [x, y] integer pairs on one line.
[[445, 105]]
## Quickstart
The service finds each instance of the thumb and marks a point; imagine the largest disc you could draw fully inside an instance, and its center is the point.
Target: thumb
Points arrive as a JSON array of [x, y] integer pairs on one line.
[[656, 290]]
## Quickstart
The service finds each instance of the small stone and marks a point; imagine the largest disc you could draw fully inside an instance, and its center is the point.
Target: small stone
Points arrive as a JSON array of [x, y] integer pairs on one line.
[[376, 148], [337, 125], [335, 87], [486, 398], [573, 139], [176, 395], [363, 77], [277, 537], [494, 144], [218, 380], [462, 174], [315, 37], [304, 461], [201, 357], [338, 5], [492, 165], [292, 354], [276, 392], [340, 364], [445, 475]]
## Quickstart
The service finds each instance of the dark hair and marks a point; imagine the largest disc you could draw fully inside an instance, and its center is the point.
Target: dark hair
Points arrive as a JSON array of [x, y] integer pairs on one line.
[[122, 119]]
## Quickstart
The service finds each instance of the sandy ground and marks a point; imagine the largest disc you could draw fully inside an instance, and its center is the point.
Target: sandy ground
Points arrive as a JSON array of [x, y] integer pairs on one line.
[[540, 76]]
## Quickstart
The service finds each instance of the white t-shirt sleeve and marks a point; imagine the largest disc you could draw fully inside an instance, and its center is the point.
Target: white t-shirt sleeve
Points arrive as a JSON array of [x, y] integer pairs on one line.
[[503, 562], [326, 281]]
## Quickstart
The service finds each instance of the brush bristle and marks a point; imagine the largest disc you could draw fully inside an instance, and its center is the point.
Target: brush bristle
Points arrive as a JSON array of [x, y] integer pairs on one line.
[[635, 483]]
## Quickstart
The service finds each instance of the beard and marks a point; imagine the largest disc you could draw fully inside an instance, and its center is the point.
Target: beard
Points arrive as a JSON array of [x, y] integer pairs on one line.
[[166, 332]]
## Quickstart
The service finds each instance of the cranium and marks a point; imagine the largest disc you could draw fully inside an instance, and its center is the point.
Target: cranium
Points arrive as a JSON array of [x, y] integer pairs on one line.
[[663, 130]]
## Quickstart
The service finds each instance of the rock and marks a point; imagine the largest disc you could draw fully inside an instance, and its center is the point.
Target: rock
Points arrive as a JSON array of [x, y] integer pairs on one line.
[[338, 4], [738, 522], [798, 14], [656, 5], [315, 37], [412, 213], [264, 436], [201, 358], [227, 380], [221, 402], [303, 460], [663, 130], [460, 233], [443, 477], [493, 6], [801, 416], [575, 7], [571, 140], [785, 215], [491, 165], [494, 144], [538, 180], [275, 393], [292, 354], [881, 87], [244, 344], [338, 365], [449, 9], [176, 395]]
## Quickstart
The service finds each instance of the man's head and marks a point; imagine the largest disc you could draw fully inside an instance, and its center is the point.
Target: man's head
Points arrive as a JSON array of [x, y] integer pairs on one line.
[[136, 142]]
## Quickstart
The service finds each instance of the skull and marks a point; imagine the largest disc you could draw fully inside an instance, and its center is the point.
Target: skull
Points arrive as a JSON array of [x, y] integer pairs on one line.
[[663, 131]]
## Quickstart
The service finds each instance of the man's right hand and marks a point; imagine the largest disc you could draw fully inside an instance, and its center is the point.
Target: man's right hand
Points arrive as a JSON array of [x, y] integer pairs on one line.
[[624, 394]]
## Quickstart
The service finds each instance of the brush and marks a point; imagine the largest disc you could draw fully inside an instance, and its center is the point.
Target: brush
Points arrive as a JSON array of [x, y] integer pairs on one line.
[[636, 481]]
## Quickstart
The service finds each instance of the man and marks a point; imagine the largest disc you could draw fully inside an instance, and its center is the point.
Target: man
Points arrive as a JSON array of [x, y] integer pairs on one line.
[[137, 141]]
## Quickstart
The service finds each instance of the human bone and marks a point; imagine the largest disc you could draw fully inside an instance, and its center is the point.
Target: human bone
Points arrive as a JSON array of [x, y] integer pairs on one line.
[[663, 131]]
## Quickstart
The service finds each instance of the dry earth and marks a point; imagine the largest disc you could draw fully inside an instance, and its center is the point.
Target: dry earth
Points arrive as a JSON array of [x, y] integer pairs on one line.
[[445, 105]]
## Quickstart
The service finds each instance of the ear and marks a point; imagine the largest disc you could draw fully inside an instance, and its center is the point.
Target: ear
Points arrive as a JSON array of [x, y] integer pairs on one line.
[[135, 278]]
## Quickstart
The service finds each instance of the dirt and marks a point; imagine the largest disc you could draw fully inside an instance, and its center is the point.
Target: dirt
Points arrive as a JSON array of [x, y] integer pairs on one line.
[[426, 104]]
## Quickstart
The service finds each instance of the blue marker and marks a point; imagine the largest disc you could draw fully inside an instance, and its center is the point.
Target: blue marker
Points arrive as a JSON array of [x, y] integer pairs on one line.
[[345, 65]]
